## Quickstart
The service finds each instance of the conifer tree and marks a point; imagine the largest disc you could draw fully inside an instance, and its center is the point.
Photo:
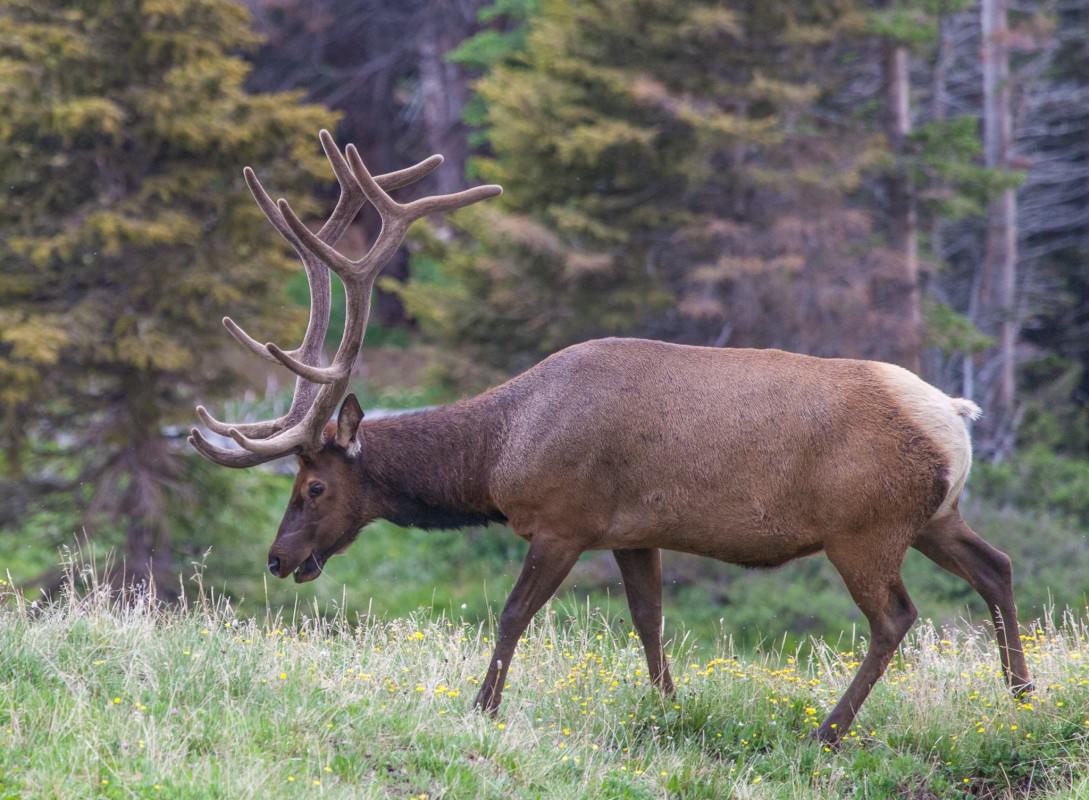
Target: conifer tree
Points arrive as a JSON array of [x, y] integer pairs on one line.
[[127, 234], [668, 172]]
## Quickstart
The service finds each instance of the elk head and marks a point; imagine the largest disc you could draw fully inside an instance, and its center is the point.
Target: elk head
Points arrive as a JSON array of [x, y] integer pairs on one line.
[[327, 507]]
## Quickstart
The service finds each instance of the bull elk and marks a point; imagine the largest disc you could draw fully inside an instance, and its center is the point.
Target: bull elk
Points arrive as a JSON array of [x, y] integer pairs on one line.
[[753, 457]]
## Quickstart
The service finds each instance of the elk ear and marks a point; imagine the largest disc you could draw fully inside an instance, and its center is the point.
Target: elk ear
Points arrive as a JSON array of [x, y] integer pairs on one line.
[[348, 422]]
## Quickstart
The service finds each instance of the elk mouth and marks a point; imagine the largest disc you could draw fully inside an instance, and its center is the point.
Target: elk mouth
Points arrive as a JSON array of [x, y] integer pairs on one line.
[[314, 563], [311, 568]]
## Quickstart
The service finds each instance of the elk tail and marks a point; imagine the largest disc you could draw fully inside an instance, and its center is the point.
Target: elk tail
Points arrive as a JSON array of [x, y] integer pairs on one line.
[[966, 408]]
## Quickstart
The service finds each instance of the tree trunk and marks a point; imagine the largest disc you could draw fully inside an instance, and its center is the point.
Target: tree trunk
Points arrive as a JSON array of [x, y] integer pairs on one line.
[[143, 507], [942, 61], [14, 435], [145, 471], [444, 87], [903, 223], [997, 287]]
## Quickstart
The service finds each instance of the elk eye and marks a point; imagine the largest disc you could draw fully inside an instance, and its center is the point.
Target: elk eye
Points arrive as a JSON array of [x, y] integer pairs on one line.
[[316, 489]]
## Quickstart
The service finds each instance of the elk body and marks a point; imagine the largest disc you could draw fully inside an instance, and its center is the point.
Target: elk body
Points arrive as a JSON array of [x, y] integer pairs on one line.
[[753, 457]]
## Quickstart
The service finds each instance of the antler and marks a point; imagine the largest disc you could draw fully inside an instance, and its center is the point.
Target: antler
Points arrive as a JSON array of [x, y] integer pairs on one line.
[[319, 389]]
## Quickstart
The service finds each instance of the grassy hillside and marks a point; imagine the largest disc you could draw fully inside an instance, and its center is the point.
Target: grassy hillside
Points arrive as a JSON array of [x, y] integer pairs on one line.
[[99, 700]]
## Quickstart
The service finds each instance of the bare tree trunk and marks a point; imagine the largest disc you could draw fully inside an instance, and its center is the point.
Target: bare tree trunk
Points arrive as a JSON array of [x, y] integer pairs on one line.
[[14, 436], [148, 558], [904, 222], [144, 472], [1000, 259], [444, 87], [936, 364], [942, 60]]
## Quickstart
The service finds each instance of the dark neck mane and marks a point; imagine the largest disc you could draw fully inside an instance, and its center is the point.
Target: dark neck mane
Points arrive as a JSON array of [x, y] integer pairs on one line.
[[432, 468]]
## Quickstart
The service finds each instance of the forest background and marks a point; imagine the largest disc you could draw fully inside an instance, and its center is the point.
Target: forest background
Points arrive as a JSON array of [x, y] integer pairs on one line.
[[905, 181]]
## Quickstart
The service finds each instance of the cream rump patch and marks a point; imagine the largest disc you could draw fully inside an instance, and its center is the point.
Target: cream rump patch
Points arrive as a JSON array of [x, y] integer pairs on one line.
[[939, 417]]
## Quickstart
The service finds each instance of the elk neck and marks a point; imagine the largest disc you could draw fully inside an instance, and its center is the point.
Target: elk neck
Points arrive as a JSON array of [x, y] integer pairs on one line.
[[432, 469]]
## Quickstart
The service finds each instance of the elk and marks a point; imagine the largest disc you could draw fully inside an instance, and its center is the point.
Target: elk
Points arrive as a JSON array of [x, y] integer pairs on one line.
[[753, 457]]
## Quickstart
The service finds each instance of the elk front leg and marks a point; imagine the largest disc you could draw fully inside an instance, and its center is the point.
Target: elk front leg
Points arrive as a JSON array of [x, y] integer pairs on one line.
[[952, 545], [642, 573], [873, 580], [545, 567]]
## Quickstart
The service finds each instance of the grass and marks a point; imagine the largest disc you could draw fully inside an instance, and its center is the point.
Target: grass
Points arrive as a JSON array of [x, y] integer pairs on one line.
[[101, 698]]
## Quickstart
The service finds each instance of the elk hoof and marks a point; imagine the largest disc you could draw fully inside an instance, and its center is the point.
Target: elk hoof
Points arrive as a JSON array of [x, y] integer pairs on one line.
[[487, 702], [1022, 689], [827, 735]]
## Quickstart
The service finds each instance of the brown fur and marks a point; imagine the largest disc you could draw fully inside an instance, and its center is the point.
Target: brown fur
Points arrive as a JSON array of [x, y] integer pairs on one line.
[[754, 457]]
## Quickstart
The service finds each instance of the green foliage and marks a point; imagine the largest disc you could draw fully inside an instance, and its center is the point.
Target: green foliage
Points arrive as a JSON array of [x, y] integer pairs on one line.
[[1036, 478], [905, 23], [128, 232], [939, 161], [941, 158], [1053, 418], [951, 331], [490, 47], [121, 157], [631, 171], [912, 22]]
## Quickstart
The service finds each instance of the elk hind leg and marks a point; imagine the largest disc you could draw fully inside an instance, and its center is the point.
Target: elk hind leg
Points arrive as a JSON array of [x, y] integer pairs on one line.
[[955, 547], [873, 579], [641, 570]]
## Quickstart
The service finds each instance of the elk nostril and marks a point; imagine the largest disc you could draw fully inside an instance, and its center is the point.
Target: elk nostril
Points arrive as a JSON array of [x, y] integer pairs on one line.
[[274, 565]]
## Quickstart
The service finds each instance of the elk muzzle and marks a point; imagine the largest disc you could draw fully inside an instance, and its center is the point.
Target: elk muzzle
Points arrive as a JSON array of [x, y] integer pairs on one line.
[[304, 567]]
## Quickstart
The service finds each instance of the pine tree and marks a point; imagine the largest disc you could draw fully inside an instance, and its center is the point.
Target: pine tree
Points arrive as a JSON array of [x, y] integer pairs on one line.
[[674, 174], [128, 233]]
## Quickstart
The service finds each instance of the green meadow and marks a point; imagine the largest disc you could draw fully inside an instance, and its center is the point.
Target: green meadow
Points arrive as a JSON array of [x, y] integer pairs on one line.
[[108, 698]]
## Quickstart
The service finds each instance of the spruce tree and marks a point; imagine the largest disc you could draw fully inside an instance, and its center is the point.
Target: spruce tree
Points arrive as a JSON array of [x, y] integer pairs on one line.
[[128, 234], [671, 169]]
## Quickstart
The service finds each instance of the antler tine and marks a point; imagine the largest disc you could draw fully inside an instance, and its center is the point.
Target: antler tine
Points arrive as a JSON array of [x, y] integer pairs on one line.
[[406, 214], [383, 203], [349, 202], [305, 434], [332, 258], [450, 202], [266, 428], [237, 459], [361, 273], [300, 429], [244, 339], [301, 400], [403, 177]]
